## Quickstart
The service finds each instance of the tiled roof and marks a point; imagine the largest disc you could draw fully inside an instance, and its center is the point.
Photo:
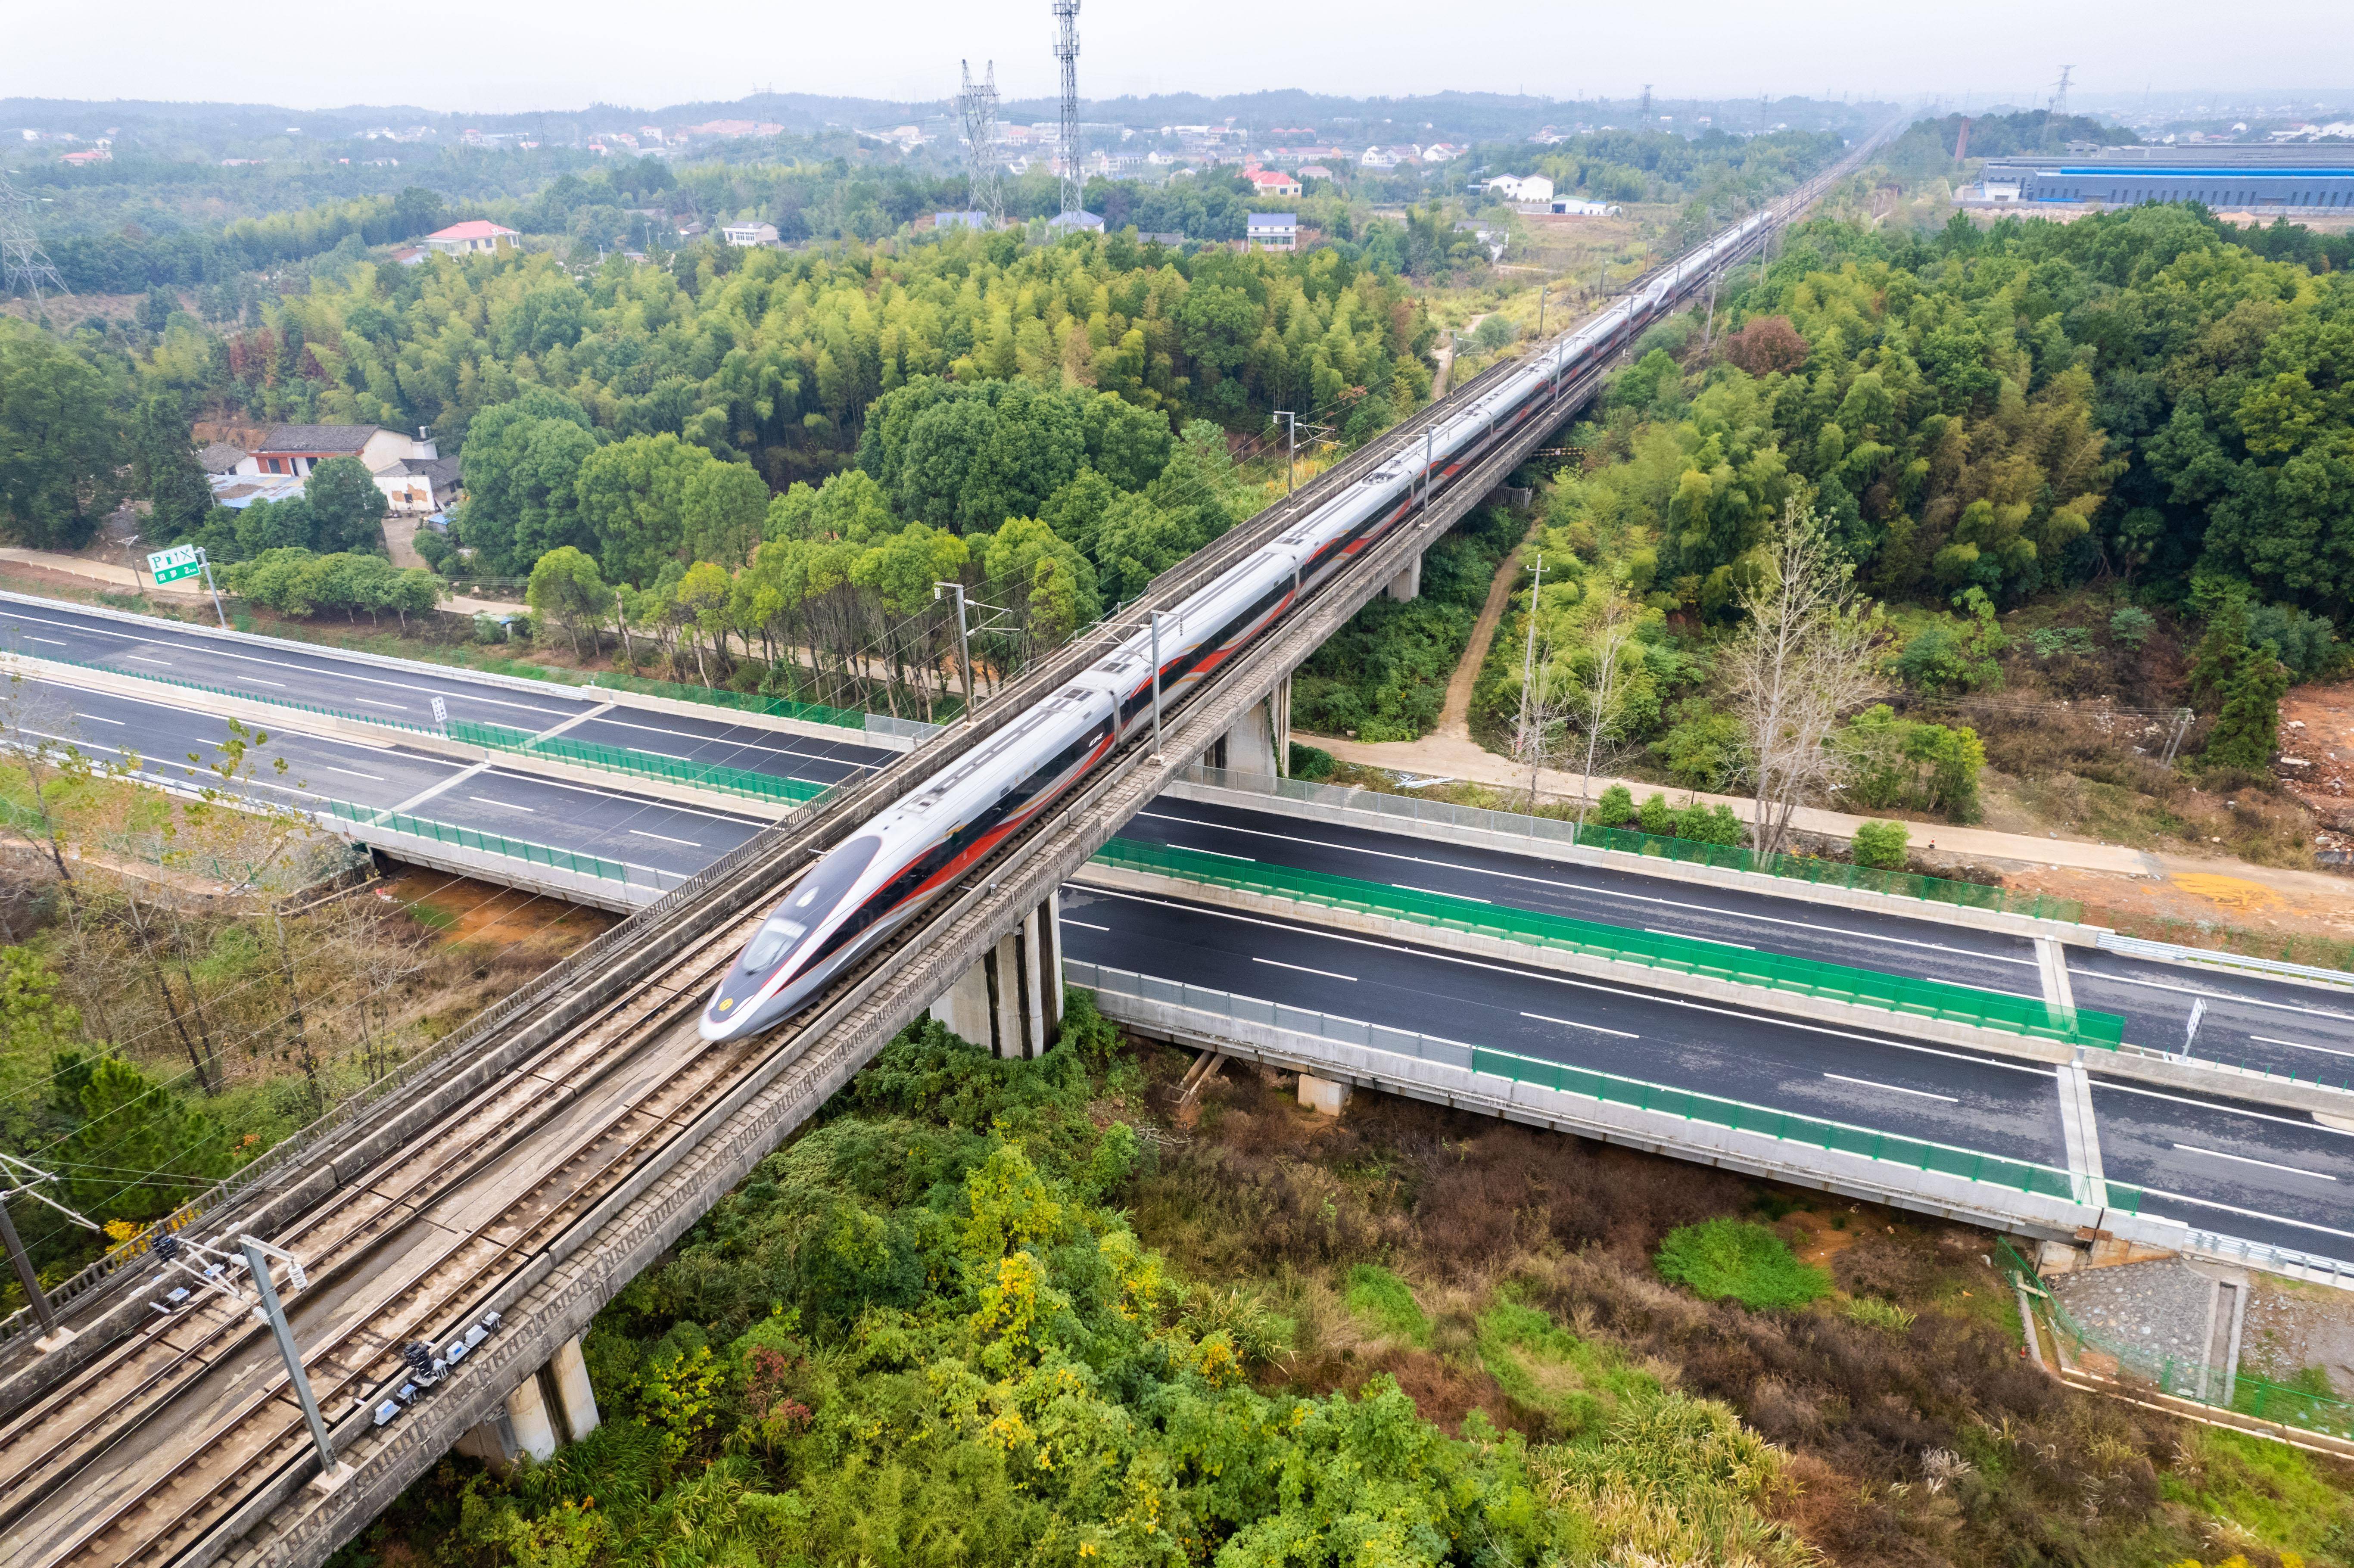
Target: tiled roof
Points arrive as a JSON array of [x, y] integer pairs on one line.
[[473, 229], [220, 457], [318, 438]]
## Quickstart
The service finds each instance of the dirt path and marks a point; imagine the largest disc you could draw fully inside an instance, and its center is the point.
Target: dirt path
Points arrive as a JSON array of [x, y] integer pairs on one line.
[[1447, 358], [1455, 715]]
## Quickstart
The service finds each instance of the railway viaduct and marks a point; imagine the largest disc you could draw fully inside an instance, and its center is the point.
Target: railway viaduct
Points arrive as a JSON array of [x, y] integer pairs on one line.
[[505, 1187]]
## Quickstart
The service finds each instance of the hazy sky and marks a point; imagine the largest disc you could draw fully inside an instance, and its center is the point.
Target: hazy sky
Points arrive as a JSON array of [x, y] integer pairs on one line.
[[513, 55]]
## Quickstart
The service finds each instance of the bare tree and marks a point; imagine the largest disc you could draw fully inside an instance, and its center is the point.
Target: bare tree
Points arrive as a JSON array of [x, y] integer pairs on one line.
[[1801, 662], [1605, 696]]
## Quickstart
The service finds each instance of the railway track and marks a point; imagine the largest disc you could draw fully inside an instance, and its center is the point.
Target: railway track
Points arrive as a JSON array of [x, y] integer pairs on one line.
[[155, 1450]]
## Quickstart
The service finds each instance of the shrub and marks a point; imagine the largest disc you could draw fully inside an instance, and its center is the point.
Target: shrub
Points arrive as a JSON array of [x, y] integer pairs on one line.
[[2130, 626], [1874, 1313], [1615, 807], [1311, 764], [1880, 844], [1718, 1259], [1658, 817]]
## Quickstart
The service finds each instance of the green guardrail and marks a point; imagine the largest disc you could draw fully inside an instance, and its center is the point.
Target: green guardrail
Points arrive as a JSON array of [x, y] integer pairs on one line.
[[2185, 1377], [639, 764], [474, 838], [1676, 955], [1790, 1127], [1834, 874]]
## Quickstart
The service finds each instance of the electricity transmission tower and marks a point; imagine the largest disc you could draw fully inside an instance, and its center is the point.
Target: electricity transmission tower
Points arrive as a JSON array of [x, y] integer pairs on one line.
[[1644, 113], [1066, 49], [979, 102], [22, 264], [2060, 99]]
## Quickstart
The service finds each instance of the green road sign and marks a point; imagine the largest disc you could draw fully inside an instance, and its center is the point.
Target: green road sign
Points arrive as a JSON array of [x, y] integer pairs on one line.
[[170, 565]]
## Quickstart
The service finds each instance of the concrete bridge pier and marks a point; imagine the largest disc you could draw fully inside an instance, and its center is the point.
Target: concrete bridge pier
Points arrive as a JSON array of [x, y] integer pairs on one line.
[[552, 1406], [1407, 584], [1260, 740], [1012, 1001]]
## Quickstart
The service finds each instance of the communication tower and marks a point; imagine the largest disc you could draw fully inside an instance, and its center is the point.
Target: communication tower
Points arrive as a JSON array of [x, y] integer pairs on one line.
[[22, 264], [1066, 50], [979, 102]]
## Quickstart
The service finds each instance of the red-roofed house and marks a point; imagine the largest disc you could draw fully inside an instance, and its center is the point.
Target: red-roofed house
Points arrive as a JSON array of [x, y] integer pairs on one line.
[[474, 235], [1272, 182]]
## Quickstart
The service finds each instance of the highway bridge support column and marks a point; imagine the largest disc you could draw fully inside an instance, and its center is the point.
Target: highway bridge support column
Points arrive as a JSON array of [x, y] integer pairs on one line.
[[1260, 740], [1012, 1000]]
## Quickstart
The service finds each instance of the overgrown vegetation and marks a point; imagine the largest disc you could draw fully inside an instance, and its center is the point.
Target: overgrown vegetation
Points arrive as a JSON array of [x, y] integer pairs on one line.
[[1384, 676], [997, 1311]]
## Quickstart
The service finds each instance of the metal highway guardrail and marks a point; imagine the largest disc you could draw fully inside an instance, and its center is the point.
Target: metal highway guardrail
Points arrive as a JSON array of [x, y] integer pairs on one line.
[[742, 781], [2172, 953], [1788, 1127], [1670, 955]]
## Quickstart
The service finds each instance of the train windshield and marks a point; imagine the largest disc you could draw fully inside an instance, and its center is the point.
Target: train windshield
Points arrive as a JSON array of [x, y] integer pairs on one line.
[[816, 898], [769, 945]]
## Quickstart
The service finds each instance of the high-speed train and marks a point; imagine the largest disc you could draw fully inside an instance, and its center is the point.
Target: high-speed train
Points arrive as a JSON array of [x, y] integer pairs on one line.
[[859, 894]]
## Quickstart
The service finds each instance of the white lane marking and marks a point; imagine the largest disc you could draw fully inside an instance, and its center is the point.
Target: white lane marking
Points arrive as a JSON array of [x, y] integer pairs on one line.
[[1409, 887], [1303, 969], [1087, 923], [1220, 853], [665, 838], [539, 782], [258, 680], [1892, 1088], [370, 702], [672, 755], [1574, 1023], [100, 718], [2250, 1213], [351, 772], [1198, 910], [334, 669], [1688, 936], [2100, 1083], [510, 805], [2219, 1154], [2099, 975], [50, 641], [817, 749], [159, 663], [1612, 893], [2301, 1045]]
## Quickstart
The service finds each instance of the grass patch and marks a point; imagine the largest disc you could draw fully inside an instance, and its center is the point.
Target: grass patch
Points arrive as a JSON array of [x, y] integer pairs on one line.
[[1733, 1258], [1543, 1367], [2269, 1489], [1385, 1301], [1875, 1313]]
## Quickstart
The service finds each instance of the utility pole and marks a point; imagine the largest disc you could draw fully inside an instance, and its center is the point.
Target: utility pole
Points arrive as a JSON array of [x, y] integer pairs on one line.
[[1156, 686], [1541, 308], [978, 102], [21, 1178], [257, 1254], [2183, 717], [964, 642], [214, 592], [1292, 445], [1066, 50], [1428, 436], [23, 263]]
